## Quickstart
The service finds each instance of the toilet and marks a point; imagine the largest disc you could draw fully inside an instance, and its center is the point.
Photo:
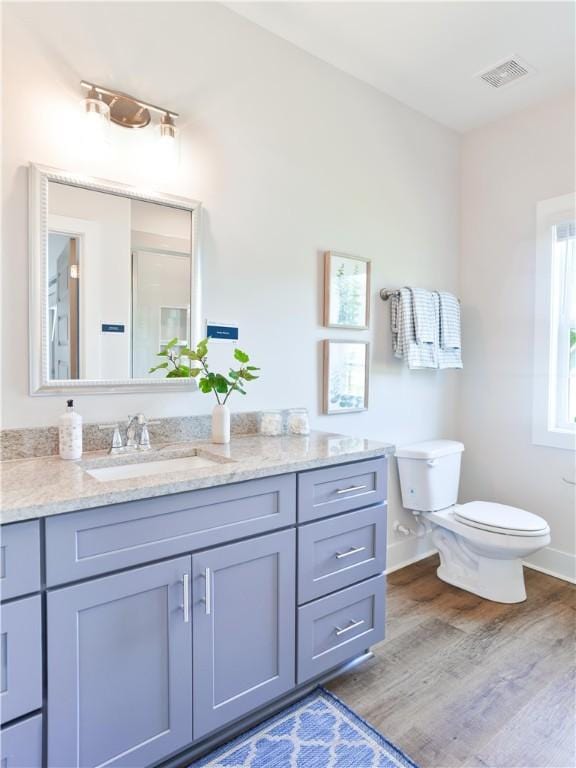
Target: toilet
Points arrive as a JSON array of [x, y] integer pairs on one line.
[[481, 543]]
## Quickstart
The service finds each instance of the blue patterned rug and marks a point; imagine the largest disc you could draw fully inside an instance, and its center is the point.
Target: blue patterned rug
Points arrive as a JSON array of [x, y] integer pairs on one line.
[[318, 731]]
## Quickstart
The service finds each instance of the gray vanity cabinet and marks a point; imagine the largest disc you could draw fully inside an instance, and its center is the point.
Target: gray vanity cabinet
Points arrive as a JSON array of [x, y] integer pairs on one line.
[[168, 621], [119, 668], [244, 606]]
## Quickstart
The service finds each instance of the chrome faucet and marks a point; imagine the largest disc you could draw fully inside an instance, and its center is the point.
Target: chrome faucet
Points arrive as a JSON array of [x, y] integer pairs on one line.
[[143, 442], [133, 422], [137, 435]]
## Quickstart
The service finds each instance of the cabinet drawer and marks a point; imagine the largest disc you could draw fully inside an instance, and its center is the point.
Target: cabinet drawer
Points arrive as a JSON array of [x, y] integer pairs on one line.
[[21, 744], [94, 541], [325, 492], [336, 628], [20, 657], [340, 551], [19, 559]]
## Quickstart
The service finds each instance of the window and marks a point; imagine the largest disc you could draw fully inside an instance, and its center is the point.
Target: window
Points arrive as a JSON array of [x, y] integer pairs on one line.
[[554, 417]]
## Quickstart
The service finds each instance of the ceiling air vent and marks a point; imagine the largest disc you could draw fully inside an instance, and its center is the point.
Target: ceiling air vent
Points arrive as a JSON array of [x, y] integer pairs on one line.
[[506, 72]]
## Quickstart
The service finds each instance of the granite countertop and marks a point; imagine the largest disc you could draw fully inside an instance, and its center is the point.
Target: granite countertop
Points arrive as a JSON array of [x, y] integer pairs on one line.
[[47, 486]]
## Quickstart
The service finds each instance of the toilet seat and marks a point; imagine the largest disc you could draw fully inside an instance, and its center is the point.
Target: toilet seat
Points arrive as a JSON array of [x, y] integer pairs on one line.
[[500, 518]]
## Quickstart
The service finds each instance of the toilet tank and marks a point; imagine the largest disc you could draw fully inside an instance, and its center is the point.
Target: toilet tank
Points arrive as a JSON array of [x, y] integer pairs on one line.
[[429, 474]]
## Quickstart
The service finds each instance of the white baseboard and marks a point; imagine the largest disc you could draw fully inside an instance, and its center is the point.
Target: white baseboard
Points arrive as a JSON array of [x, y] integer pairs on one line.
[[408, 551], [554, 562]]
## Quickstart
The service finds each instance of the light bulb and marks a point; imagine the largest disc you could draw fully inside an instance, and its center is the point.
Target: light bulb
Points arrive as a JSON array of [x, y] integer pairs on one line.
[[167, 146], [96, 128]]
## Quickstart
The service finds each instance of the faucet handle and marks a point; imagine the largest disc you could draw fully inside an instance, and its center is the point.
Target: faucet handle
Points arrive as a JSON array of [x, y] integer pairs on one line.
[[144, 444], [117, 445]]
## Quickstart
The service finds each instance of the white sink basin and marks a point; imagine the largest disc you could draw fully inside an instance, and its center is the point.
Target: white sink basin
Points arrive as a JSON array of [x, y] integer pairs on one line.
[[146, 468]]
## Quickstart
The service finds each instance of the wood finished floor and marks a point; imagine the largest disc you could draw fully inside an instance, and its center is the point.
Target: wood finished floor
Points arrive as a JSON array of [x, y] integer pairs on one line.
[[461, 681]]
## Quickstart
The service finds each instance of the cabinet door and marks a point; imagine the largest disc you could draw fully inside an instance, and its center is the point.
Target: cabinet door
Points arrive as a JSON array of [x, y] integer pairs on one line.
[[20, 657], [21, 744], [119, 668], [244, 627]]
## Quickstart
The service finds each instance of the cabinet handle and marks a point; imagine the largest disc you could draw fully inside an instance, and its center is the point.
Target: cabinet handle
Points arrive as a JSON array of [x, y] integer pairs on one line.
[[351, 551], [186, 597], [353, 625], [208, 592], [352, 488]]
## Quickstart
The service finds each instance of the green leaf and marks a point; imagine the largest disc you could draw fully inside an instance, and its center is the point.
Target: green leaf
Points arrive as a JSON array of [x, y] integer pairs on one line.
[[195, 371], [252, 368], [241, 356], [220, 384], [162, 353], [248, 376], [157, 367], [234, 374], [205, 385], [171, 343], [178, 373]]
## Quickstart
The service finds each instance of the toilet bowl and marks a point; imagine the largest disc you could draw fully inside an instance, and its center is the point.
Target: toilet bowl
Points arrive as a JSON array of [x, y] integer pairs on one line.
[[481, 544]]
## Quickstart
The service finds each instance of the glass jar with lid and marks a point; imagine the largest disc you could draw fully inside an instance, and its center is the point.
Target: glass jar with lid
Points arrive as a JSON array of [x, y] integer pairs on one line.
[[298, 422], [271, 423]]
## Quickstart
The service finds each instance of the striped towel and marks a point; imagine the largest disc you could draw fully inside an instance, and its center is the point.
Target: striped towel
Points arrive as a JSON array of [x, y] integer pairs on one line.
[[449, 334], [404, 342], [424, 308]]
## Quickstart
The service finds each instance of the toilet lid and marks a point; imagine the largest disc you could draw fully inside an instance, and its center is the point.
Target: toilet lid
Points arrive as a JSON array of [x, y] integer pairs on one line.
[[500, 518]]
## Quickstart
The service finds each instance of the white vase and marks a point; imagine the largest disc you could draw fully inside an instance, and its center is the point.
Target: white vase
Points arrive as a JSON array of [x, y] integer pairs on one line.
[[221, 424]]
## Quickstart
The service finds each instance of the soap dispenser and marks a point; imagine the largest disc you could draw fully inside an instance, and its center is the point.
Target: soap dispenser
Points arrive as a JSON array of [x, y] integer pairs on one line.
[[70, 433]]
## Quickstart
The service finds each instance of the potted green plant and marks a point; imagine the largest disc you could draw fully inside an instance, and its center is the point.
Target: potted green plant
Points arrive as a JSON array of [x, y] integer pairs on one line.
[[182, 362]]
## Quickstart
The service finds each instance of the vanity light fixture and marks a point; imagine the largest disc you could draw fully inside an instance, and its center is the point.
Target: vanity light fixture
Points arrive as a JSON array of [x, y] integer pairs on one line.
[[102, 105]]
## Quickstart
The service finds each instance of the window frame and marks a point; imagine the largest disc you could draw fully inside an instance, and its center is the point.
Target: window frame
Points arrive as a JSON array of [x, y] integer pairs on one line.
[[547, 329]]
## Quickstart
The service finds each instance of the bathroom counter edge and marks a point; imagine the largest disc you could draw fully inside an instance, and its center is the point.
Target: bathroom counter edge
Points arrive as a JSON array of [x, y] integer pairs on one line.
[[42, 487]]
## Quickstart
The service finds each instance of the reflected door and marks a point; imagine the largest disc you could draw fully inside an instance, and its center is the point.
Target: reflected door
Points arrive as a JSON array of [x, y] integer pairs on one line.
[[161, 306], [63, 297]]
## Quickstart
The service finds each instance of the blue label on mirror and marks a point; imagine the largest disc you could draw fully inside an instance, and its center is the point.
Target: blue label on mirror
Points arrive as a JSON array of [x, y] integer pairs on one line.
[[227, 332], [113, 328]]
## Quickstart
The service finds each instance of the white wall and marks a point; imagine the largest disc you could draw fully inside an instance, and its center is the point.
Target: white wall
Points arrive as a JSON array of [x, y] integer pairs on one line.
[[289, 156], [507, 168]]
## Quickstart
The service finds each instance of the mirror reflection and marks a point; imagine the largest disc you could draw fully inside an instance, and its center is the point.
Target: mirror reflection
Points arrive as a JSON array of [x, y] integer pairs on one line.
[[119, 283]]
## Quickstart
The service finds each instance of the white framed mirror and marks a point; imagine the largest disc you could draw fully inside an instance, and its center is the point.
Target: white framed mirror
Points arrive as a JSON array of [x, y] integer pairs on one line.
[[114, 276]]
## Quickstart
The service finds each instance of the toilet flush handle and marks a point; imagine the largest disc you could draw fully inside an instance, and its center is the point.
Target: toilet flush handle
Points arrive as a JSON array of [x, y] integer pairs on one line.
[[432, 462]]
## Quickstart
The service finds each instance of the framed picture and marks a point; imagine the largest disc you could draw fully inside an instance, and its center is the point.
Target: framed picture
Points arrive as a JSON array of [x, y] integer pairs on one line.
[[346, 291], [346, 365]]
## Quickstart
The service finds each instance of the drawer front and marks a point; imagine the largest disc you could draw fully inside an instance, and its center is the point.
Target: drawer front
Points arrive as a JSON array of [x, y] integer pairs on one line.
[[340, 551], [95, 541], [21, 744], [20, 657], [19, 559], [325, 492], [337, 628]]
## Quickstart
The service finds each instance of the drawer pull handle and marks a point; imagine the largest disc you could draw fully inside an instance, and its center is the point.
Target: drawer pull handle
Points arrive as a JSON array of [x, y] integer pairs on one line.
[[186, 597], [352, 488], [351, 551], [208, 593], [352, 625]]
